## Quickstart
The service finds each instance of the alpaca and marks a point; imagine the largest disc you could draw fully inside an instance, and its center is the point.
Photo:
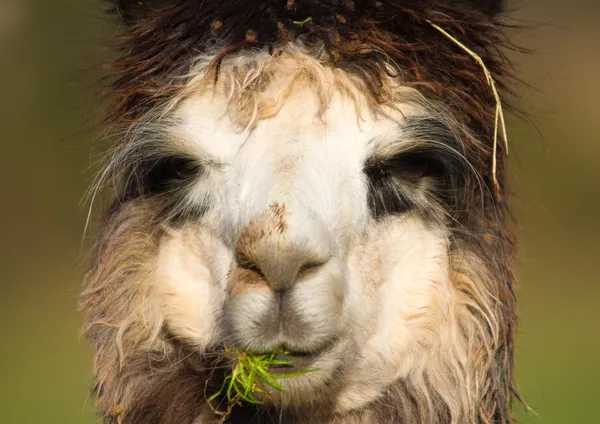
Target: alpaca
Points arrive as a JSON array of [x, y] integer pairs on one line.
[[319, 177]]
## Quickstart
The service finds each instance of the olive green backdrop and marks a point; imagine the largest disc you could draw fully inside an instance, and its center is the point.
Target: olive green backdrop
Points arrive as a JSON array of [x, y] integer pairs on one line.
[[50, 58]]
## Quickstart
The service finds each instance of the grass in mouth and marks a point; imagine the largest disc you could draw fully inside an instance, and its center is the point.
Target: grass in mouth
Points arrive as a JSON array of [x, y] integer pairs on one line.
[[250, 377]]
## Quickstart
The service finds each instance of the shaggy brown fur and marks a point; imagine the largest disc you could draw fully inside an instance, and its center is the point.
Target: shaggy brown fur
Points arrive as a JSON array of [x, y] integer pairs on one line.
[[162, 380]]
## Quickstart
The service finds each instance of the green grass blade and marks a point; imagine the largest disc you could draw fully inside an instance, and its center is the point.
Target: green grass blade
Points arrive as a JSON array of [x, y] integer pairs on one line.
[[292, 375]]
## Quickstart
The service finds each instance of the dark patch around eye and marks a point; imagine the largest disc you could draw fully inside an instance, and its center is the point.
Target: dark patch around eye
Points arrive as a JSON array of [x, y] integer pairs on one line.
[[170, 173], [410, 167], [160, 176], [165, 180], [394, 181]]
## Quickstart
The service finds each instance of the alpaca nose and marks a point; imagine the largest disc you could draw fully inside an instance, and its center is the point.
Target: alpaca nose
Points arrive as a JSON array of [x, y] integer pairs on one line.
[[279, 267], [272, 251]]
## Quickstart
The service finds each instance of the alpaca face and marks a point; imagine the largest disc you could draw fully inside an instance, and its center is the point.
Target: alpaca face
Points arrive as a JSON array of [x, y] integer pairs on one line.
[[324, 191], [306, 222]]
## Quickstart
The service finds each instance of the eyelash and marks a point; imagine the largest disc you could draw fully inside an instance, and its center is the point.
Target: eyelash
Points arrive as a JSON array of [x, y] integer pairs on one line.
[[408, 167], [158, 176]]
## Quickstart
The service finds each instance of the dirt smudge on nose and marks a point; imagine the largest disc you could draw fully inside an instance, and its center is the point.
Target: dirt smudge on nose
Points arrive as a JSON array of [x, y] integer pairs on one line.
[[278, 210], [272, 222]]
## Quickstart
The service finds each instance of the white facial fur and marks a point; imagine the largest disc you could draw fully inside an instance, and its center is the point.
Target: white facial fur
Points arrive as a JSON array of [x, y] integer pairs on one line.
[[376, 296]]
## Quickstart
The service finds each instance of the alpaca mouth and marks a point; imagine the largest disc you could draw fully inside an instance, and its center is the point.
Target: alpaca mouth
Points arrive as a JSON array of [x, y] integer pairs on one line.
[[296, 362]]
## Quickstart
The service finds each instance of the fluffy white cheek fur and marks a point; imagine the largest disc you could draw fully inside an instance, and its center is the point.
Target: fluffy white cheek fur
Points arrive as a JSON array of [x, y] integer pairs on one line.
[[399, 296], [318, 304], [188, 296], [245, 320]]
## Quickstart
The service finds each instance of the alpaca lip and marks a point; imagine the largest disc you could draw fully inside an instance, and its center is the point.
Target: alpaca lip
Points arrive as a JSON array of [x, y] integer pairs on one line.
[[298, 362]]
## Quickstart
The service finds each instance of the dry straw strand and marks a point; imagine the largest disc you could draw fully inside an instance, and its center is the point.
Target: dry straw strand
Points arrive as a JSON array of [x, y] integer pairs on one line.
[[305, 21], [499, 115]]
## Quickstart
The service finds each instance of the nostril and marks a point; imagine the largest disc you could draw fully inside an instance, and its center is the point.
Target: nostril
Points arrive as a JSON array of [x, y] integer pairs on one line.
[[310, 267], [246, 263]]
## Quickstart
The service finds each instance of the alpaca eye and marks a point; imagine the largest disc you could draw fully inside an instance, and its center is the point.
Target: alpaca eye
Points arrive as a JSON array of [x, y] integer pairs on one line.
[[409, 167], [160, 176], [169, 173], [243, 262], [393, 181]]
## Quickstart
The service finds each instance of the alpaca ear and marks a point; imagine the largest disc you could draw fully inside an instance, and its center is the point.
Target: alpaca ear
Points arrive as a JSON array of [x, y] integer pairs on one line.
[[490, 7], [132, 10]]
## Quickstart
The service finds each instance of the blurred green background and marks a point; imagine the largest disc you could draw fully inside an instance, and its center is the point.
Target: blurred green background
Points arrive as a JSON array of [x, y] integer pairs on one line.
[[51, 55]]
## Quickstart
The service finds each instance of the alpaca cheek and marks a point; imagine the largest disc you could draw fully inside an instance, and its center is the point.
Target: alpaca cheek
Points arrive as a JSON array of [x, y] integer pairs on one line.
[[407, 294], [185, 289], [412, 292]]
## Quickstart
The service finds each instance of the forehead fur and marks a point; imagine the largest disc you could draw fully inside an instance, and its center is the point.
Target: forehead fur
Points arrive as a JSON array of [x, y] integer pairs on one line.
[[257, 85], [369, 41]]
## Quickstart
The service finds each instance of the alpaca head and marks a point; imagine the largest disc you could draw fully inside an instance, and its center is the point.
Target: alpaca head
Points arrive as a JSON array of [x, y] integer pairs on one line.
[[314, 177]]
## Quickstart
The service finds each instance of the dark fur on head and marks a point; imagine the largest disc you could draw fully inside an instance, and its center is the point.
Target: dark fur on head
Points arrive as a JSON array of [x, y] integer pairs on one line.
[[362, 37], [132, 10], [161, 38]]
